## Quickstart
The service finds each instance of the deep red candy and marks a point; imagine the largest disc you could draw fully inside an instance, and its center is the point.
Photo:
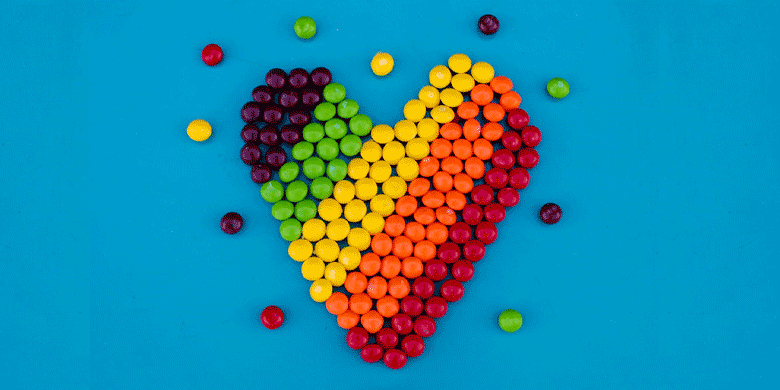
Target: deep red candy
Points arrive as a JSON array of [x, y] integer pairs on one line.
[[276, 78], [250, 112], [250, 134], [508, 197], [472, 214], [511, 140], [482, 194], [402, 323], [519, 178], [495, 213], [291, 134], [463, 271], [275, 157], [261, 173], [272, 317], [460, 232], [299, 117], [387, 338], [263, 94], [211, 54], [413, 345], [269, 135], [424, 326], [452, 290], [371, 353], [231, 223], [488, 24], [288, 98], [550, 213], [321, 77], [412, 305], [474, 250], [273, 114], [298, 78], [486, 232], [531, 135], [527, 157], [310, 98], [395, 359], [251, 154], [357, 338], [497, 177], [436, 307], [435, 269], [423, 288], [449, 252], [517, 118], [503, 158]]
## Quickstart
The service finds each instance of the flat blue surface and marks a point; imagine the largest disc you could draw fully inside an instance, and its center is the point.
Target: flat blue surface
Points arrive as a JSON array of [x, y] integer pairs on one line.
[[662, 274]]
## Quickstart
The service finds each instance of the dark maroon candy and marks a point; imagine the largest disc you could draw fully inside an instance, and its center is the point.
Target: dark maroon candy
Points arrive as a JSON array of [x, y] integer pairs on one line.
[[310, 98], [551, 213], [412, 305], [462, 271], [291, 134], [298, 78], [321, 77], [251, 112], [488, 24], [261, 173], [251, 154], [250, 134], [263, 94], [387, 338], [288, 98], [276, 78], [436, 307], [435, 269], [300, 118], [231, 223], [275, 157], [413, 345], [269, 135], [273, 114]]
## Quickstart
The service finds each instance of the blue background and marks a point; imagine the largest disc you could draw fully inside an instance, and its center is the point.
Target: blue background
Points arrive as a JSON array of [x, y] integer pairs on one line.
[[662, 274]]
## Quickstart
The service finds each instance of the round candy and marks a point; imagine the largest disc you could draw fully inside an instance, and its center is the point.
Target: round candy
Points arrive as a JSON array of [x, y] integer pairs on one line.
[[407, 168], [360, 125], [357, 338], [313, 132], [358, 168], [510, 320], [394, 187], [495, 213], [517, 118], [320, 290], [344, 191], [436, 307], [551, 213], [347, 108], [211, 54], [282, 210], [231, 223], [382, 204], [450, 97], [412, 305], [313, 230], [313, 167], [373, 223], [321, 76], [336, 128], [300, 250], [302, 150], [402, 323], [321, 187], [261, 173], [488, 24], [417, 148], [440, 76], [272, 191], [486, 232], [334, 93], [313, 268], [429, 96], [387, 338], [473, 251], [371, 353], [250, 112], [531, 136], [327, 250], [328, 149], [395, 359], [462, 82], [405, 130], [337, 169], [325, 111], [558, 88], [298, 78], [355, 210], [380, 171], [452, 290], [358, 238], [413, 345], [482, 72], [414, 110], [436, 270], [527, 157], [338, 229], [350, 146], [336, 274], [462, 271], [288, 172], [199, 130], [459, 63], [275, 157], [272, 317], [382, 134], [329, 209], [382, 64], [290, 229], [428, 129], [365, 189], [423, 288], [296, 191], [305, 27], [442, 114], [508, 197], [424, 326], [393, 152], [371, 151]]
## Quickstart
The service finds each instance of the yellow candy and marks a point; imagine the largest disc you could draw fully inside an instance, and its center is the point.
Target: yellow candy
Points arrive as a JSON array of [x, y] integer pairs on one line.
[[463, 82], [428, 129], [382, 134], [482, 72], [299, 250], [327, 250], [451, 97], [382, 64], [394, 151], [459, 63], [373, 223], [199, 130], [429, 96], [405, 130], [344, 191], [313, 269], [355, 210], [338, 229], [440, 76], [407, 169], [383, 205], [357, 168], [336, 274], [359, 238], [417, 149], [365, 188], [320, 290], [414, 110], [313, 229], [394, 187], [442, 114], [329, 209], [380, 171], [350, 257], [371, 151]]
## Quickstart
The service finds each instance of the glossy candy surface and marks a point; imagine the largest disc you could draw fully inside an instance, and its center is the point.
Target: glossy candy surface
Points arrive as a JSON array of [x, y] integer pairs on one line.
[[272, 317]]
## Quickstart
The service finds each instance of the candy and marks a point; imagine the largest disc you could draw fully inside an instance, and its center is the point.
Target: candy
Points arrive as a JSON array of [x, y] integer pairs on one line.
[[327, 250], [357, 338], [508, 197], [276, 78], [371, 151], [482, 194], [336, 170], [361, 304], [495, 213], [527, 157], [387, 338], [482, 72], [272, 317], [395, 359], [313, 268], [511, 141], [273, 114], [473, 251], [440, 76], [402, 323], [393, 152], [338, 304], [380, 171], [493, 112], [452, 290], [251, 154], [211, 54], [250, 134], [407, 168], [517, 118], [510, 100], [313, 167], [413, 345], [344, 191], [231, 223], [329, 209], [462, 82], [377, 287], [387, 306], [338, 229], [450, 97], [320, 290], [336, 128], [360, 125], [335, 273], [321, 76], [442, 114], [394, 187], [290, 229], [497, 177], [448, 252], [334, 93], [412, 305], [417, 148], [488, 24], [199, 130], [350, 145], [510, 320], [313, 132], [382, 64], [328, 149], [371, 353], [325, 111], [429, 96], [296, 191], [382, 204], [436, 307], [428, 129], [424, 326], [486, 232], [298, 78], [302, 150], [405, 130], [354, 210], [321, 187], [501, 84], [382, 134], [305, 27], [531, 136], [263, 94], [300, 250], [365, 189], [462, 271], [359, 238], [358, 168], [275, 157], [288, 98], [422, 287], [460, 232], [261, 173], [550, 213], [558, 88], [472, 214], [373, 223], [313, 230], [272, 191], [414, 110], [282, 210], [459, 63], [348, 319]]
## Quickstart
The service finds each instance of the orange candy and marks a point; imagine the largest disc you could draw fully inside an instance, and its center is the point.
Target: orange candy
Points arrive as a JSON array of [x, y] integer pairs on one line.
[[377, 287], [415, 231], [475, 168], [403, 248], [472, 129], [391, 266], [398, 287], [461, 148], [348, 319], [405, 205], [425, 250], [446, 215], [433, 199], [501, 84], [455, 200], [483, 149], [411, 267], [463, 182], [382, 244], [337, 303], [450, 131], [468, 110], [442, 181], [418, 187], [481, 94], [437, 233], [492, 131], [355, 283], [394, 225], [494, 113], [387, 306], [372, 321], [452, 165], [360, 303], [425, 215], [510, 100], [441, 148], [370, 264], [428, 166]]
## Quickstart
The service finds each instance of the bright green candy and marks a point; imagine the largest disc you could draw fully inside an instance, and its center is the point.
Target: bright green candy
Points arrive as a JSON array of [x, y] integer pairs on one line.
[[558, 88], [510, 320], [282, 210], [334, 93], [272, 191], [296, 191], [305, 210], [321, 188], [313, 167], [302, 150], [347, 108], [337, 169], [305, 27], [324, 111], [361, 125], [289, 171], [328, 149], [335, 128], [350, 145], [313, 132], [290, 229]]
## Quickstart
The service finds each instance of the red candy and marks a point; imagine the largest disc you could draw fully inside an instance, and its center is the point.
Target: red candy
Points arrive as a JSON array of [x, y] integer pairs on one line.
[[371, 353], [387, 338], [402, 323], [511, 140], [519, 178], [452, 290], [413, 345], [517, 118], [472, 214], [357, 338], [272, 317], [495, 213], [436, 307], [424, 326], [527, 157], [449, 252], [436, 270], [462, 271], [395, 359], [508, 197], [482, 194], [503, 158], [497, 177], [460, 232], [474, 250], [423, 288], [531, 136], [486, 232], [211, 54]]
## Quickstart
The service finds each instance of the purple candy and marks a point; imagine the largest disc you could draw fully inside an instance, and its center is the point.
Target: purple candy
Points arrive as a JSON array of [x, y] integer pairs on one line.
[[263, 94], [321, 77], [300, 117], [276, 78], [550, 213], [310, 98], [269, 135], [251, 154], [273, 114], [291, 134], [488, 24], [231, 223], [261, 173], [251, 112], [275, 157], [288, 98], [298, 78], [250, 134]]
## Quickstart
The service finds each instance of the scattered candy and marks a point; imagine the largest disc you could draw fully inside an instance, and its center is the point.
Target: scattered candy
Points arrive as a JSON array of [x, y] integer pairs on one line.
[[199, 130], [272, 317], [231, 223], [488, 24], [382, 64], [211, 54], [510, 320], [558, 88], [550, 213], [305, 27]]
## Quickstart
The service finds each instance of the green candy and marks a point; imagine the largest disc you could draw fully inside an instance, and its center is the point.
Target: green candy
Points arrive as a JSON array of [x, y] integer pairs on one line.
[[305, 210], [334, 93], [510, 320], [347, 108], [296, 191], [350, 145], [282, 210], [321, 188], [272, 191], [324, 111], [337, 169], [290, 229], [335, 128], [313, 132], [558, 88], [302, 150], [360, 125], [313, 167], [289, 171], [328, 149], [305, 27]]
